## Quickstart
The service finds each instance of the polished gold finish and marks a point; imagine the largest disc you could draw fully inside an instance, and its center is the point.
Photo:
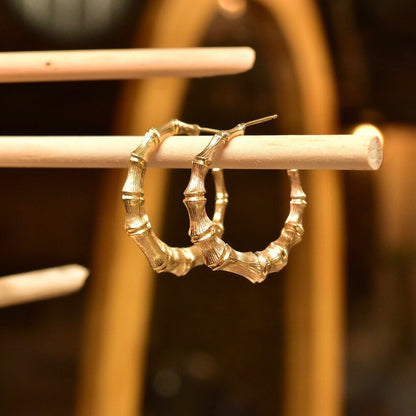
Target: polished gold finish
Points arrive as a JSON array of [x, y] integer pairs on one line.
[[161, 257], [217, 254]]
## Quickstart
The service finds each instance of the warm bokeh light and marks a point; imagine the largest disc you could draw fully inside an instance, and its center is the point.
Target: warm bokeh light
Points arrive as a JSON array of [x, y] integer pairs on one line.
[[71, 19], [368, 130], [233, 8]]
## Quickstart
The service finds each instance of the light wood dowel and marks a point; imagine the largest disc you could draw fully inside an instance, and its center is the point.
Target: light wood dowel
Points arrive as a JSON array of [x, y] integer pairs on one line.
[[41, 284], [123, 64], [348, 152]]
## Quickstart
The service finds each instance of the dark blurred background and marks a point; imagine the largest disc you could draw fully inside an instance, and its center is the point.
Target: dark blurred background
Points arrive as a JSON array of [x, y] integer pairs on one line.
[[215, 344]]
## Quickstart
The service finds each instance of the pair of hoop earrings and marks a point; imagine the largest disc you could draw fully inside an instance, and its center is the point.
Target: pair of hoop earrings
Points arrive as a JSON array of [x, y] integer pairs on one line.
[[208, 247]]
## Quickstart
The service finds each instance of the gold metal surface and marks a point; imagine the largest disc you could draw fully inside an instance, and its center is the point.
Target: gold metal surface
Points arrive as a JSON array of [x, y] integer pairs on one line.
[[218, 255], [162, 257]]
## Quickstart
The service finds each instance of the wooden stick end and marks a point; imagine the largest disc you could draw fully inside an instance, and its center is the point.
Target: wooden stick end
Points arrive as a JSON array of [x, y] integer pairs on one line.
[[375, 152]]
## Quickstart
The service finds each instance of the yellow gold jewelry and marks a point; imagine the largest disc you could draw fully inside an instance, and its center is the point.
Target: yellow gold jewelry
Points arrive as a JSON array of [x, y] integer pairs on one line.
[[161, 257], [217, 254]]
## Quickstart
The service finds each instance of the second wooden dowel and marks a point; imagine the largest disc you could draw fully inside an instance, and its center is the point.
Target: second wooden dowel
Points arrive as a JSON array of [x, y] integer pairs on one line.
[[123, 64]]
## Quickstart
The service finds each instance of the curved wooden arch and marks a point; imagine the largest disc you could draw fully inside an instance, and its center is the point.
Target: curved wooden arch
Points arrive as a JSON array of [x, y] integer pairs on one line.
[[118, 312], [314, 302], [112, 367]]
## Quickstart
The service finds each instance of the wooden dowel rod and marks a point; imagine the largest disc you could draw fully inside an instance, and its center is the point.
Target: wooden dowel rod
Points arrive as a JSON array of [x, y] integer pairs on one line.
[[41, 284], [123, 64], [348, 152]]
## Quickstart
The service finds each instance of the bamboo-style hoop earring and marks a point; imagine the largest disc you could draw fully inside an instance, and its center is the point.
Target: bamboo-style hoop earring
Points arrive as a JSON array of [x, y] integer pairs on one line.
[[162, 257], [218, 255]]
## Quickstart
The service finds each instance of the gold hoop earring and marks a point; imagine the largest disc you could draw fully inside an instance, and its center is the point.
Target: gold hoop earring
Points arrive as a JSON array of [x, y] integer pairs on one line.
[[162, 257], [218, 255]]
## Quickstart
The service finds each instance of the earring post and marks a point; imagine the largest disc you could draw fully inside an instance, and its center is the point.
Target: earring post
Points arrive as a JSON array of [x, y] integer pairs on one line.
[[261, 120]]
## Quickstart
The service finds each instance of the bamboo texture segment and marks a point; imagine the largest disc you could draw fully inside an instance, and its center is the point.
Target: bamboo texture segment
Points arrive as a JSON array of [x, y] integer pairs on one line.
[[163, 258], [217, 254]]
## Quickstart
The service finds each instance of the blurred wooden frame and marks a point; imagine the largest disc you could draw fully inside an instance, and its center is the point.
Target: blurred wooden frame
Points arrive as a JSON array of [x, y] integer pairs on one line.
[[394, 285], [117, 316], [314, 301]]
